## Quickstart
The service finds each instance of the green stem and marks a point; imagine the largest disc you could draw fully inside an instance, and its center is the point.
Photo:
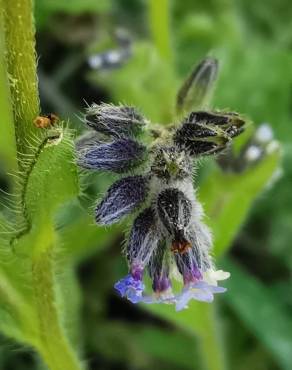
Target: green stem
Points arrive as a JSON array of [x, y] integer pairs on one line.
[[210, 344], [54, 346], [19, 31], [21, 66], [7, 134], [160, 27]]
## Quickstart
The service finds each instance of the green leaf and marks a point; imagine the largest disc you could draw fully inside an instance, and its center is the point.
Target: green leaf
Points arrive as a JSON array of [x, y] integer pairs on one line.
[[52, 179], [139, 345], [262, 85], [82, 237], [266, 317], [228, 197], [200, 321]]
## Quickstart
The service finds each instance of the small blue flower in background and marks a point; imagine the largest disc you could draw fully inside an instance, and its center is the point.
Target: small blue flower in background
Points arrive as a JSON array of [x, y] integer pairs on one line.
[[168, 239]]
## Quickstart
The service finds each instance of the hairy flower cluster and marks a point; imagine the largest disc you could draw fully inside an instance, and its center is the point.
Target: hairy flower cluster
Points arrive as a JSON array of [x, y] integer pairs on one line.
[[168, 238]]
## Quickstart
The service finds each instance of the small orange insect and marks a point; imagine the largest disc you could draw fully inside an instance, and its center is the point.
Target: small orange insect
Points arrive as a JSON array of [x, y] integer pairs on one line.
[[46, 121]]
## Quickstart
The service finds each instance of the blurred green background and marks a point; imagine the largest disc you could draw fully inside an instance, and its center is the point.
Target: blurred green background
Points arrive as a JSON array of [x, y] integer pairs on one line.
[[249, 327]]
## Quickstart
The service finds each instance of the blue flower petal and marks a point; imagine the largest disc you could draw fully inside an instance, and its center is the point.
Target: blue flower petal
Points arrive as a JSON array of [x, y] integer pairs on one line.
[[130, 288], [122, 198], [118, 156], [200, 291]]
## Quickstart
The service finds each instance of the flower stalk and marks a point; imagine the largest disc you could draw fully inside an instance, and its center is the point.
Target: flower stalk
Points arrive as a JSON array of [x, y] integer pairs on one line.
[[18, 67]]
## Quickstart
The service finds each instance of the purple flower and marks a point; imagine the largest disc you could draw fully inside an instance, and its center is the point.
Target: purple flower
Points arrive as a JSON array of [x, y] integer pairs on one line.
[[205, 133], [174, 210], [117, 156], [143, 239], [168, 237], [116, 121], [159, 269], [200, 291], [121, 199], [161, 283], [130, 288]]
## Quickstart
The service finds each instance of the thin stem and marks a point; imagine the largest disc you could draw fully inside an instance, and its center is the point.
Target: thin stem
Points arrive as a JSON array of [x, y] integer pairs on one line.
[[159, 11], [21, 66]]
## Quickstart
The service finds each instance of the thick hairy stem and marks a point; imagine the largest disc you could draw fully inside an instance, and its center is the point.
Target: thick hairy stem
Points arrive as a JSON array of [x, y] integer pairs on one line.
[[54, 346], [7, 133], [51, 341], [21, 66], [160, 27]]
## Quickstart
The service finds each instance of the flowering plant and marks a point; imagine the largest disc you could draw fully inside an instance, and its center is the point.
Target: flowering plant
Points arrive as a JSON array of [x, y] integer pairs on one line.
[[45, 234], [168, 237]]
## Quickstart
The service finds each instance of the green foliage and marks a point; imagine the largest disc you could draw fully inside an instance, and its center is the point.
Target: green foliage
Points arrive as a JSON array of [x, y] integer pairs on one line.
[[264, 315], [29, 257], [46, 9], [45, 233], [143, 346], [153, 84], [47, 179], [229, 196]]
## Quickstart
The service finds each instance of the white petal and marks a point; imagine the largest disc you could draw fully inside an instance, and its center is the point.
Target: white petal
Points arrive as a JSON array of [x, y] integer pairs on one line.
[[212, 276], [221, 275]]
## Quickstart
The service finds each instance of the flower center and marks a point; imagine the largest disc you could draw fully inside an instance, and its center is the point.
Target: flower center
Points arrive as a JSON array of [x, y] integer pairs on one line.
[[180, 246]]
